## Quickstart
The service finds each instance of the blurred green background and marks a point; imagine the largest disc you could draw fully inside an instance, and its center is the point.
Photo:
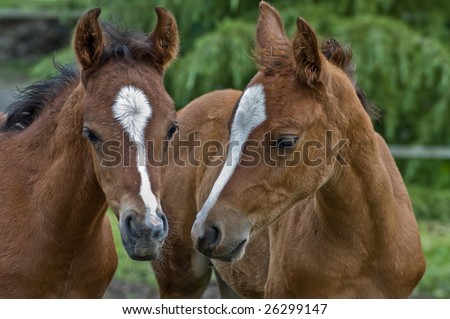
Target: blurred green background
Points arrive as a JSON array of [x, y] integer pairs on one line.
[[402, 53]]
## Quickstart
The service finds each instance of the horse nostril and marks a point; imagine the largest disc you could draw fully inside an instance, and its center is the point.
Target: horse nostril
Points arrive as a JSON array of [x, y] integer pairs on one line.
[[141, 227], [128, 227], [161, 229], [157, 231], [213, 235], [211, 239]]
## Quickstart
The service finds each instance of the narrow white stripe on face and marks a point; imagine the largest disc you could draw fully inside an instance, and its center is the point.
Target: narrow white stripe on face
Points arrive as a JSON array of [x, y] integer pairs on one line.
[[133, 111], [250, 113]]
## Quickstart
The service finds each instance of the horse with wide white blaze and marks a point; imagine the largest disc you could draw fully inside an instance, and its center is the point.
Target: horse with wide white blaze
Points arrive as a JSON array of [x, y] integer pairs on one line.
[[57, 178], [323, 212]]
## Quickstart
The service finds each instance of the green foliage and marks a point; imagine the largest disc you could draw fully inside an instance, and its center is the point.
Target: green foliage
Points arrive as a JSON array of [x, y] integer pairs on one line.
[[408, 79], [436, 246], [430, 204], [45, 67], [54, 5], [401, 49], [218, 60]]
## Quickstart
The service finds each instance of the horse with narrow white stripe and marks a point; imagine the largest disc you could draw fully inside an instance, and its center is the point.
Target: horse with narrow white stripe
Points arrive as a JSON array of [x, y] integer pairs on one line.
[[250, 113], [133, 110], [63, 148], [323, 213]]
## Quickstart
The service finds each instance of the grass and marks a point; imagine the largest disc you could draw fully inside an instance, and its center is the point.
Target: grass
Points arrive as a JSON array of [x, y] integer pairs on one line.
[[430, 204], [436, 245]]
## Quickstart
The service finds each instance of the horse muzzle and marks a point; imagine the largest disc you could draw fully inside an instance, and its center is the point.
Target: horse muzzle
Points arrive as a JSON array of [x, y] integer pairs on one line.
[[143, 234], [218, 241]]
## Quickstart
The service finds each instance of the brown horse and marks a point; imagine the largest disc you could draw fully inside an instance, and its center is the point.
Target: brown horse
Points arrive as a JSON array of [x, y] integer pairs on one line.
[[307, 201], [60, 168]]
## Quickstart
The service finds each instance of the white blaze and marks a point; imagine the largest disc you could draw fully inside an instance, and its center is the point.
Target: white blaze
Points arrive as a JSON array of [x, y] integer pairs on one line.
[[250, 113], [133, 111]]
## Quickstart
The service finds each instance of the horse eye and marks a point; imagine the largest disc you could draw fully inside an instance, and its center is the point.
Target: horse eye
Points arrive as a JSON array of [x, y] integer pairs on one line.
[[287, 142], [171, 131], [87, 133]]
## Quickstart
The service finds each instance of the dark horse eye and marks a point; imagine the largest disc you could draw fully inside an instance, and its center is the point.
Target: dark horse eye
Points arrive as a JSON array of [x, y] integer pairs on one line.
[[87, 133], [287, 141], [171, 131]]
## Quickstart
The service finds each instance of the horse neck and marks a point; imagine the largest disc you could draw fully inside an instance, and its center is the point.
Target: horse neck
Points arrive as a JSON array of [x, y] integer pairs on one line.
[[356, 203], [70, 198]]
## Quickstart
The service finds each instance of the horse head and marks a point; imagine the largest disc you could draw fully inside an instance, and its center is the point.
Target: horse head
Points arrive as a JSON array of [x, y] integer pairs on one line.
[[283, 136], [127, 114]]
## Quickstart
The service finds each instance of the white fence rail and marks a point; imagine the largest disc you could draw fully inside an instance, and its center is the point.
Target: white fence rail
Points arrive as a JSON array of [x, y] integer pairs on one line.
[[420, 151]]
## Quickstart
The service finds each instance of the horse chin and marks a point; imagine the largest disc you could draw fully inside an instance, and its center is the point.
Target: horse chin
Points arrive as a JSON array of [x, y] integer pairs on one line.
[[233, 254], [141, 251], [143, 258]]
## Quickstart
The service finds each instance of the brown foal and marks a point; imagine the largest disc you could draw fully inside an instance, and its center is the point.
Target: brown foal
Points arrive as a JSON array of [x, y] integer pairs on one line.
[[305, 202], [58, 172]]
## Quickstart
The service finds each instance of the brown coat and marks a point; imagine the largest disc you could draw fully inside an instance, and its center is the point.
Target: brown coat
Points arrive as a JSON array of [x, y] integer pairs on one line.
[[337, 228]]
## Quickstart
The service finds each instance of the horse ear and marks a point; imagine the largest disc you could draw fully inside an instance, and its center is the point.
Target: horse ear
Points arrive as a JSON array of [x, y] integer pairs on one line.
[[88, 41], [309, 63], [164, 38], [270, 32]]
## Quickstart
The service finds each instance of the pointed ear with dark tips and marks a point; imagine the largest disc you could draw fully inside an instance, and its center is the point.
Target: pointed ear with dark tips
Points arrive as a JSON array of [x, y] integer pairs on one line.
[[308, 59], [164, 38], [270, 34], [88, 40], [269, 29]]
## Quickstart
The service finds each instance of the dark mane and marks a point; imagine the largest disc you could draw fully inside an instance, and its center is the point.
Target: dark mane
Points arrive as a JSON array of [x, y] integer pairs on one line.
[[341, 56], [371, 109], [280, 61], [34, 98]]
